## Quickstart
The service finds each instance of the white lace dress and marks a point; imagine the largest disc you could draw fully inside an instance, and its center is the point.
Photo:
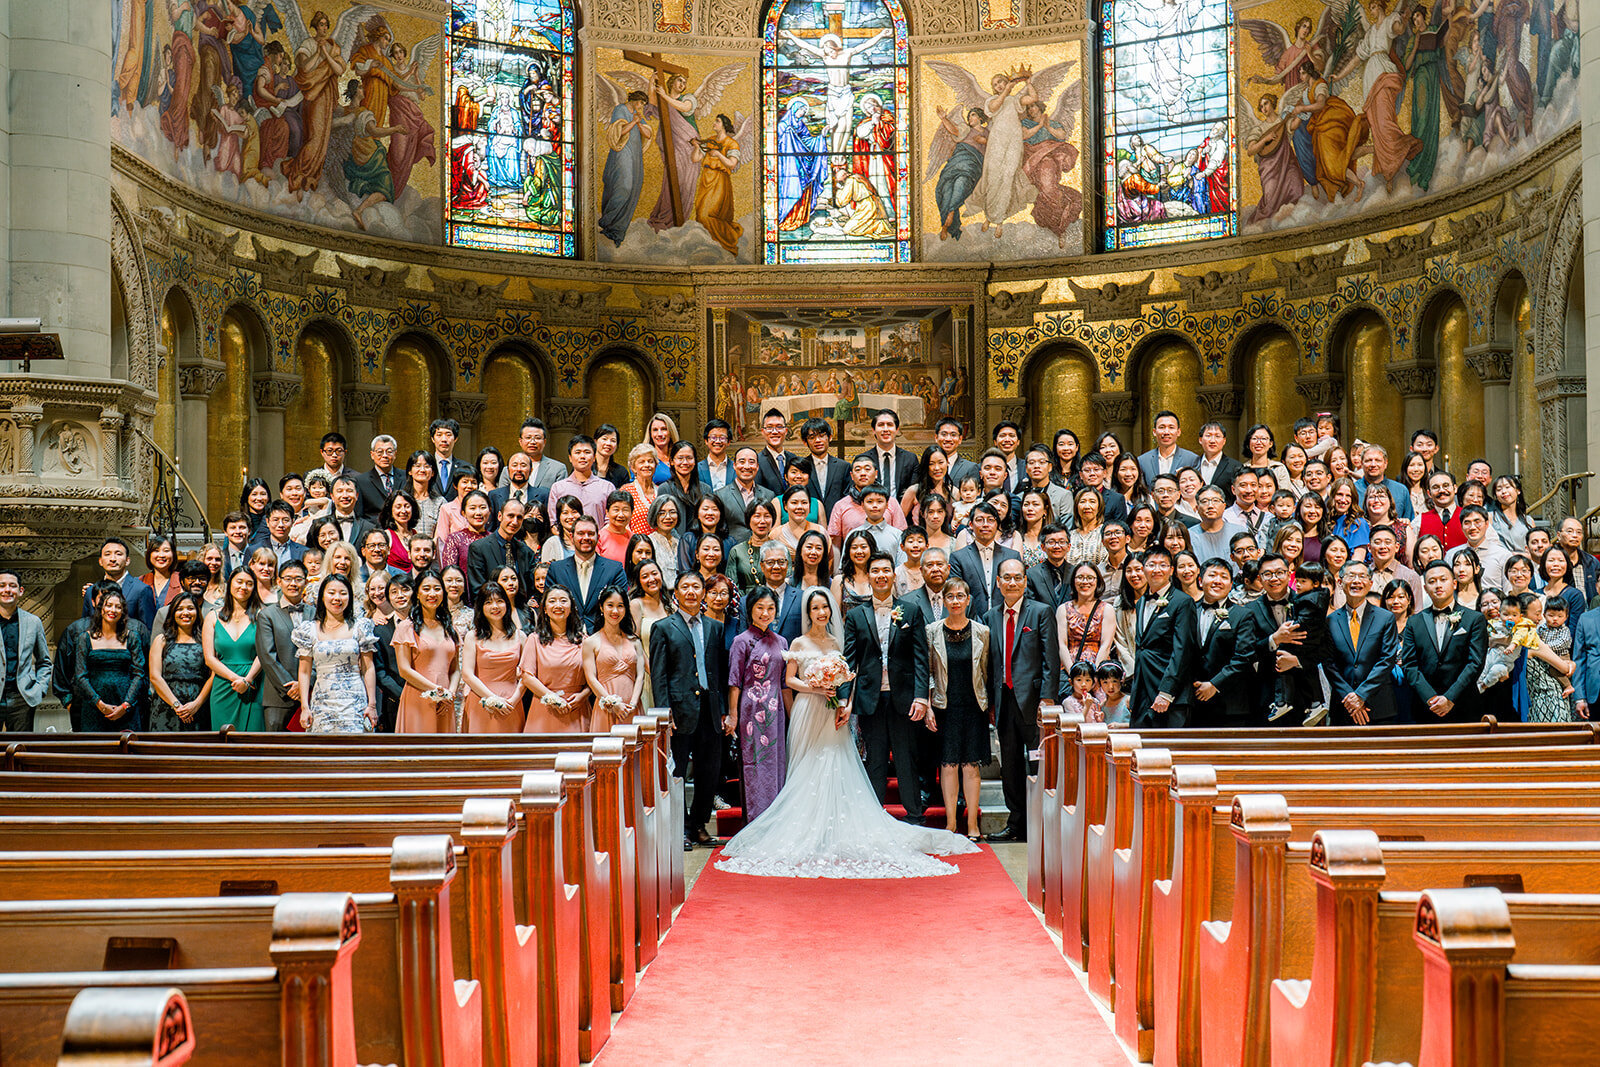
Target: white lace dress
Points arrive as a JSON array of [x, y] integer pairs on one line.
[[826, 821]]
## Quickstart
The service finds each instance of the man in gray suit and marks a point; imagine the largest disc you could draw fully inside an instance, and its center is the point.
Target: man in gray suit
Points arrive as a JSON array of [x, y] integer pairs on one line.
[[26, 672], [280, 661], [1166, 457], [929, 596], [738, 495]]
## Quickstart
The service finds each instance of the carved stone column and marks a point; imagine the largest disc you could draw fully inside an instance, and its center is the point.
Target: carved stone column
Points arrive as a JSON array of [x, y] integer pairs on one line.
[[196, 383], [1224, 404], [112, 423], [27, 420], [273, 393], [565, 417], [1492, 364], [361, 405], [1414, 381], [1116, 411], [1562, 403], [1322, 392], [467, 409]]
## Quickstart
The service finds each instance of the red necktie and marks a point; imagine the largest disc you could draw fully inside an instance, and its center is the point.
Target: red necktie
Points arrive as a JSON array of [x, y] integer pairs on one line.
[[1011, 637]]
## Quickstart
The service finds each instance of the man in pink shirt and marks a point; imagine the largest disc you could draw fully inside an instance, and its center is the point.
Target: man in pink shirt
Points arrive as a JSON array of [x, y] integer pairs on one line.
[[591, 490], [848, 512]]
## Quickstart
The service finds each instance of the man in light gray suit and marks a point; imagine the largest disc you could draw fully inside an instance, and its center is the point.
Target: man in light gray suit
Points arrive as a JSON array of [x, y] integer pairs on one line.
[[26, 673], [280, 660]]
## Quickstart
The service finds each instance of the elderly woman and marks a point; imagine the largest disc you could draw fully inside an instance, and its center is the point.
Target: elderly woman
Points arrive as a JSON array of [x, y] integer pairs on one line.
[[643, 462]]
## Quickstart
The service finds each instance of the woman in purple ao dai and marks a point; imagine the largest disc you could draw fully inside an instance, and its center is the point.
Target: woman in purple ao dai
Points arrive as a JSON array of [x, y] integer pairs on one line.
[[755, 703]]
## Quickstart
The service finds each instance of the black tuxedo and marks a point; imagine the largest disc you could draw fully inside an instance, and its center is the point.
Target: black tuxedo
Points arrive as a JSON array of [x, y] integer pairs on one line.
[[966, 564], [696, 710], [838, 483], [390, 684], [1048, 587], [371, 497], [1035, 670], [1164, 662], [907, 469], [768, 473], [1227, 469], [1226, 660], [885, 716], [1256, 624], [488, 554], [1367, 671], [1451, 671]]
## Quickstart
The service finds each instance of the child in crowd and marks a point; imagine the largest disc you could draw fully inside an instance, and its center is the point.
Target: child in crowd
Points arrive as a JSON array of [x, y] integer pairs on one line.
[[1301, 687], [1114, 710], [1080, 676], [967, 493]]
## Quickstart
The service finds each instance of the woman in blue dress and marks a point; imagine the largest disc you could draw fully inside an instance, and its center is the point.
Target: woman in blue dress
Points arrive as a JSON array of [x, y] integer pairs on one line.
[[962, 171]]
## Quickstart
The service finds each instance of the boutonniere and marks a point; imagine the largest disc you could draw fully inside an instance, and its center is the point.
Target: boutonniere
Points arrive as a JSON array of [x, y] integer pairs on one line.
[[898, 614], [1161, 603], [1221, 613], [1453, 618]]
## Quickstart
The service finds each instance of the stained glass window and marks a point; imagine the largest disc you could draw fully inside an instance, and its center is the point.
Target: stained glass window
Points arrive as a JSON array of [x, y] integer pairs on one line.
[[1167, 132], [511, 113], [835, 172]]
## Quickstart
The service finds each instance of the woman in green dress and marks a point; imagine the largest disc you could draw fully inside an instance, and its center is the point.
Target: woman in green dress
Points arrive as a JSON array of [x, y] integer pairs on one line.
[[1424, 58], [230, 644]]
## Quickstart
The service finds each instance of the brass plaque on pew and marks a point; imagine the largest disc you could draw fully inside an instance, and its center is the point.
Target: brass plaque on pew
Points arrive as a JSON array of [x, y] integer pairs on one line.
[[1506, 883], [140, 954], [248, 887]]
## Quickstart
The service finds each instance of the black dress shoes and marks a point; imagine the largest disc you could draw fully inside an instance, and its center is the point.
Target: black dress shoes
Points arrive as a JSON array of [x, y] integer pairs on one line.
[[1008, 834], [688, 845], [705, 840]]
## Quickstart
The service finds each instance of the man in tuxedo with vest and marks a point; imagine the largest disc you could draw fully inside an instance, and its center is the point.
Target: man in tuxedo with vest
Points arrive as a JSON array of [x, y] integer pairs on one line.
[[886, 646], [1362, 654], [1024, 666], [1164, 660], [1224, 671], [689, 673], [1443, 650]]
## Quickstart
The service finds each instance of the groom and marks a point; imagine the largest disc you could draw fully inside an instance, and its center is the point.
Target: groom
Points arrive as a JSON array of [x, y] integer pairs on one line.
[[886, 645], [689, 665]]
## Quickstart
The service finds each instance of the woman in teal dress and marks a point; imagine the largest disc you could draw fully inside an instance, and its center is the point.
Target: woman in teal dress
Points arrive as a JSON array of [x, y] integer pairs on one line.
[[230, 644], [178, 675], [111, 675]]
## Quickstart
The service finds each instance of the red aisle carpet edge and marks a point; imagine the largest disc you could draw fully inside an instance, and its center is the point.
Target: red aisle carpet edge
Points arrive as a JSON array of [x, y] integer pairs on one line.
[[920, 971]]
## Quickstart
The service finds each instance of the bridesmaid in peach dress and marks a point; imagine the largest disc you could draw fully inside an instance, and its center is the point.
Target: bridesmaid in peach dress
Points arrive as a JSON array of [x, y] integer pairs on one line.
[[425, 654], [552, 669], [612, 663], [490, 662]]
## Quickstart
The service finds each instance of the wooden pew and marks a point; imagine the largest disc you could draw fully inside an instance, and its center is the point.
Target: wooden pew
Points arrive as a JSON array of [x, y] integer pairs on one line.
[[1365, 997], [296, 1010], [146, 1027], [414, 1010]]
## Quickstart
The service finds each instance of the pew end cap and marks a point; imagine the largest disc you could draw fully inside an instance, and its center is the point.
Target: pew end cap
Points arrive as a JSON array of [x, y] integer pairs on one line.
[[149, 1025], [1465, 924], [307, 927]]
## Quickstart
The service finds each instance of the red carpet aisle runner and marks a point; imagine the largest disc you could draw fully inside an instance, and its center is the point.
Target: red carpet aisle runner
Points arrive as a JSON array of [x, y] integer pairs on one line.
[[924, 972]]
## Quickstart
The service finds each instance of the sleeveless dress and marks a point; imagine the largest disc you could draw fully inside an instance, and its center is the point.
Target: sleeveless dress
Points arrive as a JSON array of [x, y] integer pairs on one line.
[[498, 671], [559, 665], [227, 706], [615, 671], [434, 658], [1545, 702], [183, 667], [826, 821], [338, 699]]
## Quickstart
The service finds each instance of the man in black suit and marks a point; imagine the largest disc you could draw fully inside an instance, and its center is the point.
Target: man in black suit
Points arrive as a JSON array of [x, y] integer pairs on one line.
[[1092, 469], [886, 645], [1216, 468], [1443, 652], [830, 475], [1050, 580], [1224, 673], [929, 596], [1265, 629], [775, 459], [443, 434], [948, 433], [1024, 665], [738, 495], [978, 564], [586, 574], [898, 469], [352, 527], [519, 486], [1163, 666], [503, 547], [375, 486], [1364, 648], [689, 671], [387, 668]]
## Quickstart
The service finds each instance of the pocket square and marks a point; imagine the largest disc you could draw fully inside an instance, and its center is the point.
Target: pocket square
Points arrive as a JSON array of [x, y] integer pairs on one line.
[[1458, 630], [1027, 629]]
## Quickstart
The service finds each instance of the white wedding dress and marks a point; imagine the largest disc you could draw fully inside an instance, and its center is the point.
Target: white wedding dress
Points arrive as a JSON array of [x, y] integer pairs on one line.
[[826, 821]]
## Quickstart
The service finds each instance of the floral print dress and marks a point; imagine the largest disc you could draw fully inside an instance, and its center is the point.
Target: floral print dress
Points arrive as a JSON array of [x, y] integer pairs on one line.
[[756, 667]]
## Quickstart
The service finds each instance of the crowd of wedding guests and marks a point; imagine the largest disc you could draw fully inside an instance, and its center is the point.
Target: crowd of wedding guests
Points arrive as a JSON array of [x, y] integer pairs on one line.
[[1299, 582]]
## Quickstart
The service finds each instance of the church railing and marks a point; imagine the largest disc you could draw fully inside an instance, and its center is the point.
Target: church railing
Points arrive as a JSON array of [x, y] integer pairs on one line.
[[175, 508], [1568, 484]]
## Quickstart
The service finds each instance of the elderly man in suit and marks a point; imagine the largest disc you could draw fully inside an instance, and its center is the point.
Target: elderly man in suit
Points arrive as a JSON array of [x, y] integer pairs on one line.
[[1586, 658], [689, 673], [374, 487], [1443, 650], [886, 645], [280, 660], [586, 574], [1364, 648], [25, 670], [787, 623], [1164, 662], [1024, 667], [1166, 457]]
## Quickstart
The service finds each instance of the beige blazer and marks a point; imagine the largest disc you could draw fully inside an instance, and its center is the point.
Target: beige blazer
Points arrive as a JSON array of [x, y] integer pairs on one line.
[[939, 665]]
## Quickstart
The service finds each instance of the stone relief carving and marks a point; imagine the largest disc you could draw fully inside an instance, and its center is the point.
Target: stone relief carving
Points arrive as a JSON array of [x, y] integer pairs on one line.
[[1534, 203], [674, 311], [369, 284], [1113, 300], [1473, 230], [213, 245], [1562, 252], [1324, 392], [1411, 379], [1214, 289], [69, 450], [1011, 309], [1401, 255], [289, 267], [199, 380], [274, 392], [729, 18], [570, 415], [1222, 401], [8, 447], [1049, 12], [364, 402], [569, 304], [463, 295], [1312, 275], [1114, 409], [1491, 362]]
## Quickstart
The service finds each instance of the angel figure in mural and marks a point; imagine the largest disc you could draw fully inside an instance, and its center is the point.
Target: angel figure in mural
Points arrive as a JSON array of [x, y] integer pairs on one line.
[[630, 128], [322, 55], [719, 156], [1159, 67], [1050, 157], [1004, 188], [959, 170], [838, 121], [681, 111], [366, 168]]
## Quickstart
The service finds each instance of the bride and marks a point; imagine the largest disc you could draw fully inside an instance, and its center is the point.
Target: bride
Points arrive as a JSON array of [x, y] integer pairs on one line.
[[826, 821]]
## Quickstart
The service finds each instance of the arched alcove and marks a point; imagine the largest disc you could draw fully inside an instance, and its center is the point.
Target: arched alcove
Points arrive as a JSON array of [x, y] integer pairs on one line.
[[241, 346], [1376, 411], [1458, 391], [414, 370], [514, 388], [1061, 383], [1169, 380], [620, 392], [178, 339], [1513, 328], [322, 358], [1271, 361]]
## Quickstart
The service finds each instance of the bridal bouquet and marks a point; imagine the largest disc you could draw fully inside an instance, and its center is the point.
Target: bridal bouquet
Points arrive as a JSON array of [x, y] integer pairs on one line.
[[828, 672]]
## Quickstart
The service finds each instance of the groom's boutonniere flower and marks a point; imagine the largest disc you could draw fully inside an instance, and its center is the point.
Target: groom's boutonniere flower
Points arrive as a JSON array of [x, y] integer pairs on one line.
[[1453, 618], [1221, 613], [1161, 603], [898, 614]]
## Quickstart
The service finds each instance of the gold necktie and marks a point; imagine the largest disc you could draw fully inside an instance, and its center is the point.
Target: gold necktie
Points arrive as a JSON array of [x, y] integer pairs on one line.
[[1355, 629]]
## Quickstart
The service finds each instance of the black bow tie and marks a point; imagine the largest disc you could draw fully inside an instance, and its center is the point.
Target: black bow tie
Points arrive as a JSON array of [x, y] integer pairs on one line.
[[1436, 612], [1278, 603]]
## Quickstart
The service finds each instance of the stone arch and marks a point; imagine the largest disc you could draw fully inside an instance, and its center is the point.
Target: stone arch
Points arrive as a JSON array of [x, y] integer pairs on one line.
[[1060, 378], [323, 365], [606, 379], [1269, 360], [1559, 370], [516, 381], [416, 368], [1165, 372], [1234, 360], [1337, 324], [130, 272]]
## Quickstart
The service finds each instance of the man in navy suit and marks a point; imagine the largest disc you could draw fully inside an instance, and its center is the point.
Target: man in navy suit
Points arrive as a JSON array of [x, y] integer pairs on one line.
[[1360, 668], [978, 564], [1024, 666], [689, 672], [1443, 650], [1166, 457], [586, 574], [830, 475], [273, 533], [1586, 655], [716, 470], [1164, 660], [114, 563], [774, 459]]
